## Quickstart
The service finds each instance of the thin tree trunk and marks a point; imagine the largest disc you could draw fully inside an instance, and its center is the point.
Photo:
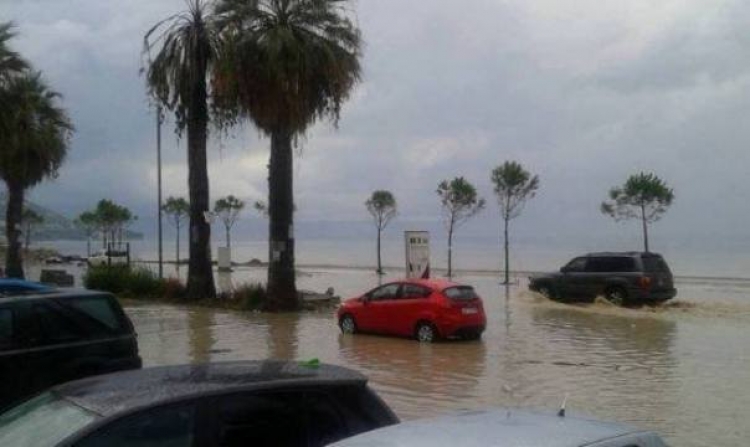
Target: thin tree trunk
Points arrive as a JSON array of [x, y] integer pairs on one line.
[[200, 283], [229, 243], [13, 259], [380, 268], [177, 256], [282, 289], [450, 250], [507, 257], [645, 228]]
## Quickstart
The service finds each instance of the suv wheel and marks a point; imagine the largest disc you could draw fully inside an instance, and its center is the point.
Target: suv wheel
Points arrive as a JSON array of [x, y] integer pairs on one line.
[[347, 324], [616, 295], [425, 333]]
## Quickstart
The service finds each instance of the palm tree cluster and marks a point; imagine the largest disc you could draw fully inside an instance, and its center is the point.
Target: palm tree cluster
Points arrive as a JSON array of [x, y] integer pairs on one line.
[[34, 136], [280, 64]]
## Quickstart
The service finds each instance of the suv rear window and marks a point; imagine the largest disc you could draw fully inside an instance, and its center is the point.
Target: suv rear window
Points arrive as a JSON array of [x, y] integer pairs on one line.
[[460, 293], [654, 264]]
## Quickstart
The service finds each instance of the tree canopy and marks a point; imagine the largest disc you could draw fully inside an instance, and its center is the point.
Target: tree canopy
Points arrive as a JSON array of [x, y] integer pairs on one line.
[[513, 186], [644, 196]]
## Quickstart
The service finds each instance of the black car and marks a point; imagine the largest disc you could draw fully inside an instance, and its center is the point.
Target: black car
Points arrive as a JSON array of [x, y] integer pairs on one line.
[[622, 278], [230, 404], [53, 337]]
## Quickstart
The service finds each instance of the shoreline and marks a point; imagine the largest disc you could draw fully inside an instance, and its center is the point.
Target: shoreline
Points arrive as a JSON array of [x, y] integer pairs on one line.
[[521, 274]]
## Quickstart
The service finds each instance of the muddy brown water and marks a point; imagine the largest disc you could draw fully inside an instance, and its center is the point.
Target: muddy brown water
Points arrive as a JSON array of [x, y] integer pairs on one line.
[[682, 369]]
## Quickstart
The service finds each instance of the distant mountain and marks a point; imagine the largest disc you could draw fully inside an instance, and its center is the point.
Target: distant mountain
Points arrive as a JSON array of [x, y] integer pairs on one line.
[[55, 226]]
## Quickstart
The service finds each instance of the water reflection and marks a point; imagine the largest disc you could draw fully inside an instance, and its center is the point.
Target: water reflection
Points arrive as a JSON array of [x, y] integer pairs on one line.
[[405, 371], [200, 334]]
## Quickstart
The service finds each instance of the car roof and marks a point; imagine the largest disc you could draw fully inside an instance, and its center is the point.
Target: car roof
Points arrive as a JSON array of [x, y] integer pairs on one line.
[[622, 254], [51, 292], [433, 283], [494, 428], [113, 393]]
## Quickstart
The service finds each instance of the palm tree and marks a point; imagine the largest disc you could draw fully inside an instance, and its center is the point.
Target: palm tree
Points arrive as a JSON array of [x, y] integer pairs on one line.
[[32, 147], [287, 64], [177, 79], [11, 62]]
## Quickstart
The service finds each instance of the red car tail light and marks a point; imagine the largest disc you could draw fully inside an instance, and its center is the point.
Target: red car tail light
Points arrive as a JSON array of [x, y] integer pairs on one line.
[[644, 282]]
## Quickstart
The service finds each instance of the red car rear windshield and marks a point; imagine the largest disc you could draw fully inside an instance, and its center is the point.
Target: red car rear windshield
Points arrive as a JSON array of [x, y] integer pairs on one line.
[[461, 293]]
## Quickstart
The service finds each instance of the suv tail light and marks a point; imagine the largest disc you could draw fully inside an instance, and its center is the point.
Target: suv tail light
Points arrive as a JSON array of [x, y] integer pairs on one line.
[[644, 282]]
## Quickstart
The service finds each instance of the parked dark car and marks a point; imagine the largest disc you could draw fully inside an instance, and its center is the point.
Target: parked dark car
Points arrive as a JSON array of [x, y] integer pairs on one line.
[[622, 278], [230, 404], [506, 428], [57, 336]]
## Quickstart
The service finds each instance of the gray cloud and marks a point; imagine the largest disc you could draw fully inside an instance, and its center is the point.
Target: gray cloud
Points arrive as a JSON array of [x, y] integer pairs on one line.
[[584, 93]]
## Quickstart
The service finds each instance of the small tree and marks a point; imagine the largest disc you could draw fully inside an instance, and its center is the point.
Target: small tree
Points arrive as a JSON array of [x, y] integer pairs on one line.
[[228, 209], [30, 219], [88, 222], [643, 196], [177, 210], [460, 203], [382, 206], [513, 187]]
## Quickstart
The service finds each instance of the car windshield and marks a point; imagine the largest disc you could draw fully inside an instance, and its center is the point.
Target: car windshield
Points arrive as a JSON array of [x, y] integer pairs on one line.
[[42, 421], [460, 293]]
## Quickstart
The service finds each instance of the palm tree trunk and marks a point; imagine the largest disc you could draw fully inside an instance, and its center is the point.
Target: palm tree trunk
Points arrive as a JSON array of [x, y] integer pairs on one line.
[[507, 256], [229, 242], [645, 228], [200, 283], [282, 290], [13, 259]]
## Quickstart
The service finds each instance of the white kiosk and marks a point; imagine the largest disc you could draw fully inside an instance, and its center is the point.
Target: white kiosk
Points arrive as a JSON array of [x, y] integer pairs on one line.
[[417, 254]]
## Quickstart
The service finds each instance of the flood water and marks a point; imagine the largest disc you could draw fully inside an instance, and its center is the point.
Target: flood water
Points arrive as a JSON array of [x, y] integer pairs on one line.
[[683, 369]]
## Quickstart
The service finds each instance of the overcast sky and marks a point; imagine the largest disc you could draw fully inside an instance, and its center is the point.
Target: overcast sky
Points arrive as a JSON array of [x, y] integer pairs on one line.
[[581, 92]]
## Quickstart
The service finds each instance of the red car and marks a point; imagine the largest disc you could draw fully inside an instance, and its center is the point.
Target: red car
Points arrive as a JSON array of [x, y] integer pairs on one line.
[[426, 309]]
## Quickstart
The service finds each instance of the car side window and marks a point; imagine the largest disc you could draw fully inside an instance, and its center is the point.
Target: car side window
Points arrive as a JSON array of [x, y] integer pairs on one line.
[[97, 310], [279, 419], [411, 291], [386, 292], [172, 426], [576, 265], [271, 419], [6, 329], [54, 325]]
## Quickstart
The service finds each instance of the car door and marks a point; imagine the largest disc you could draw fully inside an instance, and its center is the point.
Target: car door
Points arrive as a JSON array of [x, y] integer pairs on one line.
[[15, 381], [573, 279], [375, 308], [412, 302]]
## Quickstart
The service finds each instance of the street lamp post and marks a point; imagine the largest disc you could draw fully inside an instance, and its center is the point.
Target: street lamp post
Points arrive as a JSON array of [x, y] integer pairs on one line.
[[159, 120]]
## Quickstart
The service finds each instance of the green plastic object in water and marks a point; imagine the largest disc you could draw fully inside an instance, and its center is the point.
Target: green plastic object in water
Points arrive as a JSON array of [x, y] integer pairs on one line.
[[312, 363]]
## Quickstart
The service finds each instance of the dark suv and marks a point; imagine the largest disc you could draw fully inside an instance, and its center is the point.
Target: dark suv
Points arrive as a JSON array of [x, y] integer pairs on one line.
[[56, 336], [622, 278]]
